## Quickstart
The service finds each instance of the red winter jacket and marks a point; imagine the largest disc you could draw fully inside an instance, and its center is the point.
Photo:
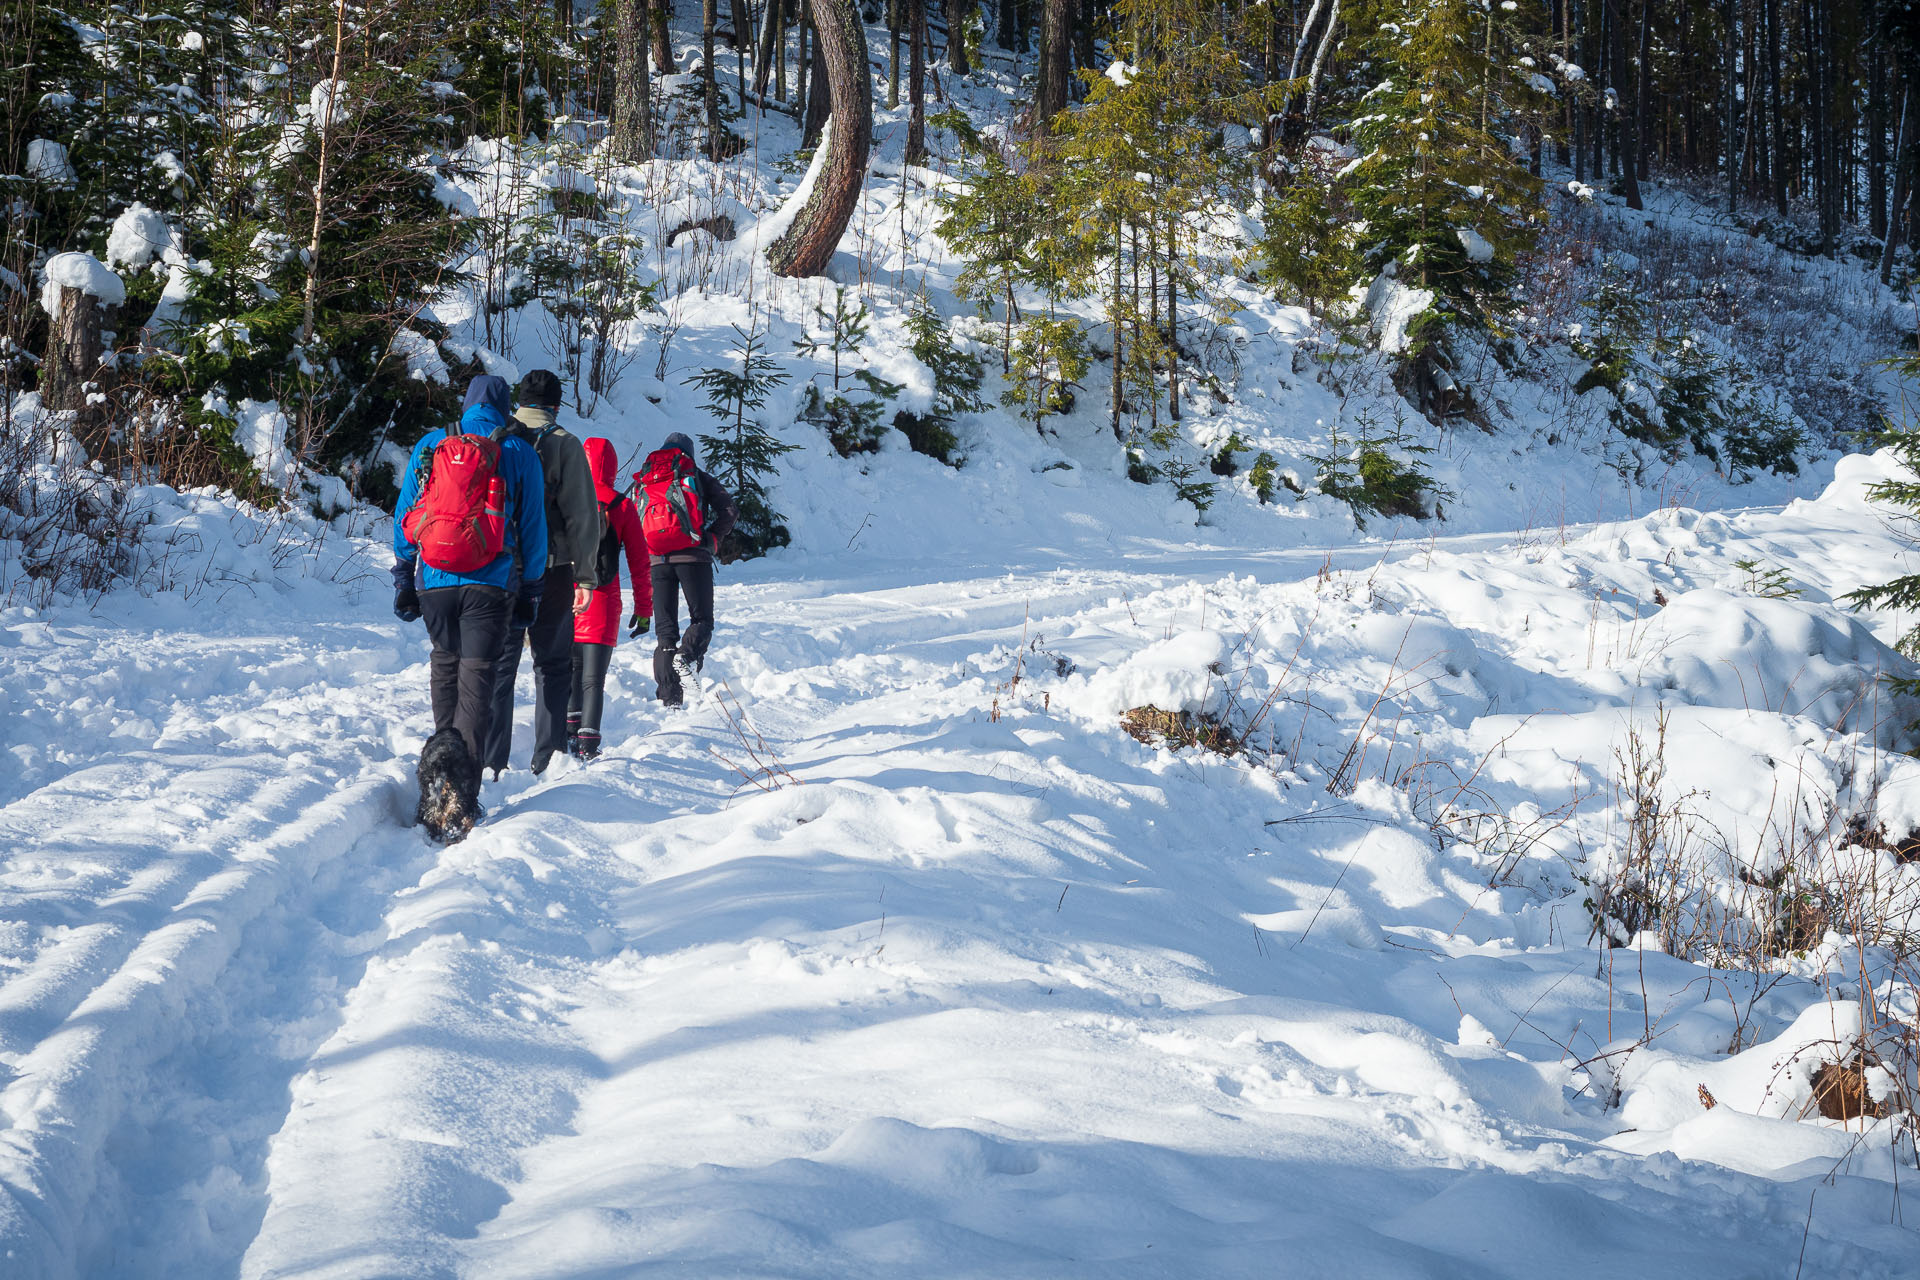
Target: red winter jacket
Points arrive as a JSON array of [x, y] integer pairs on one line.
[[600, 622]]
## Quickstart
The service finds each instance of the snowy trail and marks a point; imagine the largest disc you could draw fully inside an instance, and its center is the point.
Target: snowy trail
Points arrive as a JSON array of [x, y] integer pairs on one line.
[[989, 992]]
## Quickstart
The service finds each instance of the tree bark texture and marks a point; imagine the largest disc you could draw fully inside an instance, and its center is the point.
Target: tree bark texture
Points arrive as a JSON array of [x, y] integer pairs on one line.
[[818, 91], [1056, 63], [632, 86], [73, 352], [957, 11], [917, 81], [710, 83], [1628, 145], [841, 41], [661, 11]]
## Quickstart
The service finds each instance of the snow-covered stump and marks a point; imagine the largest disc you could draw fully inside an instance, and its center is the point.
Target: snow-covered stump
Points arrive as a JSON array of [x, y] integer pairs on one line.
[[81, 297]]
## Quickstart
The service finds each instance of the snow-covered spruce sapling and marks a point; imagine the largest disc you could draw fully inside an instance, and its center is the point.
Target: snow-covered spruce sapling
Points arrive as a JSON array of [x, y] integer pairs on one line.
[[1361, 472], [1261, 477], [957, 375], [743, 453], [1610, 340], [852, 422], [1222, 462]]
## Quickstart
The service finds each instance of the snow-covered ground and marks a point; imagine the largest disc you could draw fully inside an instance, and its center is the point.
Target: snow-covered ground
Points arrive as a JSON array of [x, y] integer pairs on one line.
[[904, 959]]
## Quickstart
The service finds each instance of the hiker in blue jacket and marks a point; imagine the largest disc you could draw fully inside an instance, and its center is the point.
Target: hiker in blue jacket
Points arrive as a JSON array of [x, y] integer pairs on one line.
[[468, 615]]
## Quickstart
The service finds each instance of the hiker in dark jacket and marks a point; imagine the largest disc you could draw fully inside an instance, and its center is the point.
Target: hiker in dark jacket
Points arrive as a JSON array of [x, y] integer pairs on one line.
[[682, 570], [565, 577], [467, 615]]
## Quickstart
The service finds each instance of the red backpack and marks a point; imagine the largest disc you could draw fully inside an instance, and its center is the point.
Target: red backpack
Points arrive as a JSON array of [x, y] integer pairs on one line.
[[672, 516], [458, 520]]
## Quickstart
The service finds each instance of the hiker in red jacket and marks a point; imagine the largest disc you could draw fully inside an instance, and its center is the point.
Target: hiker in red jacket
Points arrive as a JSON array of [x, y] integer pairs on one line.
[[596, 629], [684, 515]]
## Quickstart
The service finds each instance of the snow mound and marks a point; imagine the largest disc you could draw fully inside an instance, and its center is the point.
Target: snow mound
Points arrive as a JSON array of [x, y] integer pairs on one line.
[[1182, 673], [1716, 648], [139, 235], [47, 162], [80, 271]]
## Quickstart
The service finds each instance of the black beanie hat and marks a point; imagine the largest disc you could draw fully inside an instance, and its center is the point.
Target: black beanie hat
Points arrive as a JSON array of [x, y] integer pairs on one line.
[[540, 388]]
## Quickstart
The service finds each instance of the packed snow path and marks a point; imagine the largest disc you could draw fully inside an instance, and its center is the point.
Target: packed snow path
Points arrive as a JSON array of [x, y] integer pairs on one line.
[[926, 969]]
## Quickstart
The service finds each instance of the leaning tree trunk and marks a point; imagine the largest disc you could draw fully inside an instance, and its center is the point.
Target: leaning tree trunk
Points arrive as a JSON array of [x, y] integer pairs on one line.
[[841, 43], [815, 86], [632, 88]]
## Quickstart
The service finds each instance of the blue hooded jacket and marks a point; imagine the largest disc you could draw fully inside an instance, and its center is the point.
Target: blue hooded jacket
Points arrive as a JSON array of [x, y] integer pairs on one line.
[[487, 409]]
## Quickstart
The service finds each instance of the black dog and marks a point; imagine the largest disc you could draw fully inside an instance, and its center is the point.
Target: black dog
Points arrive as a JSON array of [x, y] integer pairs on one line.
[[449, 787]]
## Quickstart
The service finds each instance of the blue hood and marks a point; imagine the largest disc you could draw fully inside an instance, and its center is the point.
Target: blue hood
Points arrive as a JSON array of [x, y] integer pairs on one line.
[[679, 441], [491, 391]]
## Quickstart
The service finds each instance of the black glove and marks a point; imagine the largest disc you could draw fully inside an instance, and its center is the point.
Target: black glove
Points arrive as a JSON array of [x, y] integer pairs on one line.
[[637, 625], [406, 597], [525, 609]]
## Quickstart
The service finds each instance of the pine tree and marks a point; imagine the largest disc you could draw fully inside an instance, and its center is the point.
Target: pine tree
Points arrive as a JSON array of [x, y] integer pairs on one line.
[[743, 454]]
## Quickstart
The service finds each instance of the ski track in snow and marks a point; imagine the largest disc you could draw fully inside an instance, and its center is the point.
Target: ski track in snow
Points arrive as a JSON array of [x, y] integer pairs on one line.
[[981, 996]]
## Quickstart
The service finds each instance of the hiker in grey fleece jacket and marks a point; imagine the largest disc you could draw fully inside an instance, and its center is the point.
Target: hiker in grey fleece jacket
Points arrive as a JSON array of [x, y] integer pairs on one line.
[[573, 543]]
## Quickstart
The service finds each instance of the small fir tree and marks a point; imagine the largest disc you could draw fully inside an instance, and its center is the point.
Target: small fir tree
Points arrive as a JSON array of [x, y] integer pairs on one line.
[[1049, 360], [852, 422], [743, 454]]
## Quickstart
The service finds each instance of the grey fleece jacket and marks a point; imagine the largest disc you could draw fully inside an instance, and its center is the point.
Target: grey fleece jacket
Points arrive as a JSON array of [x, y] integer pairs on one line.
[[573, 507]]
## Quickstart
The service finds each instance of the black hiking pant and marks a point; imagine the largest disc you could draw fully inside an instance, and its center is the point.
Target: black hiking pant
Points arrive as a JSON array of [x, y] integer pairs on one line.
[[551, 639], [590, 662], [467, 626], [671, 580]]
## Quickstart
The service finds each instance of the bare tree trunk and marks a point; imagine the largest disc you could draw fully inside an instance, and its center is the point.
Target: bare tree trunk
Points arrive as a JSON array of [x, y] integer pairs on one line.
[[1902, 185], [819, 90], [742, 46], [809, 243], [957, 11], [1775, 111], [1627, 143], [809, 126], [780, 49], [917, 82], [1642, 88], [1730, 143], [73, 352], [661, 11], [320, 180], [1320, 59], [1056, 63], [632, 87], [710, 83], [763, 56], [893, 52]]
